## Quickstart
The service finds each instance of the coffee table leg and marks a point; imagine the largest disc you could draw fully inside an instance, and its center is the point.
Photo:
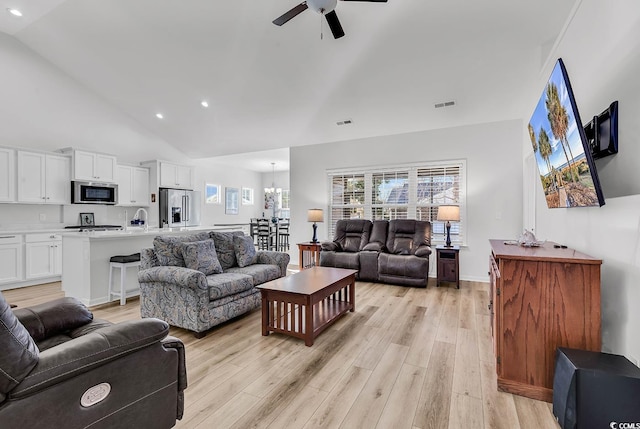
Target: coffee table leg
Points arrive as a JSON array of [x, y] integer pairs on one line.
[[308, 329], [265, 314], [352, 294]]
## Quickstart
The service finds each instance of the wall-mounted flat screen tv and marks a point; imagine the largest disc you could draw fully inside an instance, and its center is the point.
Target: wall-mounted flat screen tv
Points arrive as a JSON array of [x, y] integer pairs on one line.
[[567, 170]]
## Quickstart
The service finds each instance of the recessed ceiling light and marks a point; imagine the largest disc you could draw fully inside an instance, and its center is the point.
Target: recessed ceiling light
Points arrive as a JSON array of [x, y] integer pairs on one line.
[[14, 12], [204, 103], [159, 116]]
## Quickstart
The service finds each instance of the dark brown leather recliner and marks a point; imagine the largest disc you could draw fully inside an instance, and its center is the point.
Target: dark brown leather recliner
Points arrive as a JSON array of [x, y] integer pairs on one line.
[[61, 368], [406, 261], [351, 237]]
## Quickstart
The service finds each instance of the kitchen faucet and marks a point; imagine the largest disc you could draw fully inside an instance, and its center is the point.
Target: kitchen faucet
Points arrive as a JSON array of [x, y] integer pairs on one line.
[[146, 217]]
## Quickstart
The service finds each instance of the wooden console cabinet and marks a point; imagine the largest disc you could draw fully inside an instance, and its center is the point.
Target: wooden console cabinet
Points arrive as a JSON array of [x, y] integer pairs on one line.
[[541, 298]]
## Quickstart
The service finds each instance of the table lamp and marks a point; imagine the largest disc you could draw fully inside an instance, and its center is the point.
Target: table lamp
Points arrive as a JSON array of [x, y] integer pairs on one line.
[[315, 215], [448, 213]]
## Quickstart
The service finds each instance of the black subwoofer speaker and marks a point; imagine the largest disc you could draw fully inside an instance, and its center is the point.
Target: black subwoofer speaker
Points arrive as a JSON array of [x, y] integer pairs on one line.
[[595, 390]]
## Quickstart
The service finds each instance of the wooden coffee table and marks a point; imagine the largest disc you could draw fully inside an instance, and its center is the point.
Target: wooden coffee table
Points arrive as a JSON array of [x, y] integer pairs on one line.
[[306, 303]]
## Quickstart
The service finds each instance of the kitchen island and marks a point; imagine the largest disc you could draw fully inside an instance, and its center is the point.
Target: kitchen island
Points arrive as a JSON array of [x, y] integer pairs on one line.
[[85, 258]]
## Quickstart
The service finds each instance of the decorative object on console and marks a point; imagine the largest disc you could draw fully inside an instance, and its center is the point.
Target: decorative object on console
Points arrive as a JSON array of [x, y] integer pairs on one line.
[[448, 214], [315, 215], [528, 239]]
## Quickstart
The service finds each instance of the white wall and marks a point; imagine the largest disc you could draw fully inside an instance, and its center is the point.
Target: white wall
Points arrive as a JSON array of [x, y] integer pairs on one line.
[[206, 171], [601, 51], [41, 107], [494, 180]]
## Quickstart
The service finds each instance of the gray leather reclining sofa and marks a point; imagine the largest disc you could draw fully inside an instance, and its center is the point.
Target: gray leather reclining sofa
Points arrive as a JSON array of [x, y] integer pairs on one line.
[[61, 368], [395, 252]]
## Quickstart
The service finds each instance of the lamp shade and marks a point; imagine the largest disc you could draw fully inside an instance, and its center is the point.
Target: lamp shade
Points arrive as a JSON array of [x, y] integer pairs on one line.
[[315, 215], [449, 213]]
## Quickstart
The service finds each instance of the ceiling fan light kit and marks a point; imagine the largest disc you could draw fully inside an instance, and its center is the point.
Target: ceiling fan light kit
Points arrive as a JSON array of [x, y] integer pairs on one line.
[[323, 7]]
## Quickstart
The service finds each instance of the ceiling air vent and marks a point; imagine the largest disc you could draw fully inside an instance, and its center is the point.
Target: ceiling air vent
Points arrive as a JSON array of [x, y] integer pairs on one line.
[[345, 122], [445, 104]]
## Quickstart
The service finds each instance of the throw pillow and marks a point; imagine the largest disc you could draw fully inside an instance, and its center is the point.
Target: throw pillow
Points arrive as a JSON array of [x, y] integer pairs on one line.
[[19, 352], [245, 250], [224, 247], [201, 256], [168, 249]]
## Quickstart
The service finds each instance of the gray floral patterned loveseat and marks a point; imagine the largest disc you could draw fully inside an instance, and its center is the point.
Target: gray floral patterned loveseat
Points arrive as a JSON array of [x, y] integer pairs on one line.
[[200, 280]]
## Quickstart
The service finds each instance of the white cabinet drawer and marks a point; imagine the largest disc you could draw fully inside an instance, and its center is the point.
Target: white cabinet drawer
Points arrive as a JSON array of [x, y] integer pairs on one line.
[[10, 238], [45, 236]]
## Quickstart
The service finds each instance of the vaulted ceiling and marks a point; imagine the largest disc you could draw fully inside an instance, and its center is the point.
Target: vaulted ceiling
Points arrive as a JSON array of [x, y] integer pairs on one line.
[[271, 87]]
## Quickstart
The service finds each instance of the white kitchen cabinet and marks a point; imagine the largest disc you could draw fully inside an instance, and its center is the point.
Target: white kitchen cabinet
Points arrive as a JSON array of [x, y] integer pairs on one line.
[[43, 178], [175, 176], [94, 167], [11, 268], [43, 255], [133, 186], [7, 175]]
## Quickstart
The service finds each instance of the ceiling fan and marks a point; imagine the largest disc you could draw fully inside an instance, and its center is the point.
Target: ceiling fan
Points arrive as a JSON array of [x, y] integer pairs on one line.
[[323, 7]]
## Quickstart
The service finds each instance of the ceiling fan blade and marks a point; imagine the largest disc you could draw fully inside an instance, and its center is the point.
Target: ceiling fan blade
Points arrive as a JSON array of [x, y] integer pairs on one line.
[[334, 24], [291, 14], [372, 1]]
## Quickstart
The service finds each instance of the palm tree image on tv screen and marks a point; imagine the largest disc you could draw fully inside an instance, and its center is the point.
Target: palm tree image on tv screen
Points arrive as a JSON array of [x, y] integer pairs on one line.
[[566, 170]]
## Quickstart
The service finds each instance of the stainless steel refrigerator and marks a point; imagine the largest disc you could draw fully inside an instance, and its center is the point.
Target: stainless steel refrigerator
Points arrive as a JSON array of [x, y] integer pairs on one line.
[[179, 207]]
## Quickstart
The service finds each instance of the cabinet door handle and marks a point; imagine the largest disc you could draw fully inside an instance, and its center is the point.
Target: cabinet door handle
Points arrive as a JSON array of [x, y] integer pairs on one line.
[[8, 236]]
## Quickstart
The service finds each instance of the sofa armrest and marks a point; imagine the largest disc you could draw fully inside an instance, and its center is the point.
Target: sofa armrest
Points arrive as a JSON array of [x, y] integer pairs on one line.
[[90, 351], [330, 246], [174, 343], [280, 259], [148, 258], [180, 276], [423, 251]]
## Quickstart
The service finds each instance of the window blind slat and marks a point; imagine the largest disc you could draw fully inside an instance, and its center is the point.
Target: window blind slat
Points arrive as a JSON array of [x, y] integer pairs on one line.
[[413, 192]]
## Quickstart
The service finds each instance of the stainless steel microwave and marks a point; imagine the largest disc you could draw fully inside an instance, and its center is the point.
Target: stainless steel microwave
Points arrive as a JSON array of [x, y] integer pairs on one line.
[[93, 193]]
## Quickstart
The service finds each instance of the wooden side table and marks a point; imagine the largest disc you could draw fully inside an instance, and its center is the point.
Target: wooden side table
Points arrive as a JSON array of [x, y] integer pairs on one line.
[[448, 264], [309, 254]]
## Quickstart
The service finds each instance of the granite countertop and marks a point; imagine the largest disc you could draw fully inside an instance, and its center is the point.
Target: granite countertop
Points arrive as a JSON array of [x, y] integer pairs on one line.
[[34, 230], [140, 232], [132, 231]]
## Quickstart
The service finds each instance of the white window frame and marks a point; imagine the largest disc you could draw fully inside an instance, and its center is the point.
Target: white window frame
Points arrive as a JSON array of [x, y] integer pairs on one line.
[[412, 207]]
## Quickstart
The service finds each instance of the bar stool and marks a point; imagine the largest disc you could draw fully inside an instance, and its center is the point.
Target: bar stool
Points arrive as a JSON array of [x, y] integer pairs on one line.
[[283, 237], [265, 235], [123, 262]]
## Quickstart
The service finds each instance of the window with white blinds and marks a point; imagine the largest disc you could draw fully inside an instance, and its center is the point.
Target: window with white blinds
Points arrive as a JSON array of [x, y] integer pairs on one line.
[[401, 192]]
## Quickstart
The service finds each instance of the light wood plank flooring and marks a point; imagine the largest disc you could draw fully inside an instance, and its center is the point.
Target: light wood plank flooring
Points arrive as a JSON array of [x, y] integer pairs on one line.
[[407, 358]]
